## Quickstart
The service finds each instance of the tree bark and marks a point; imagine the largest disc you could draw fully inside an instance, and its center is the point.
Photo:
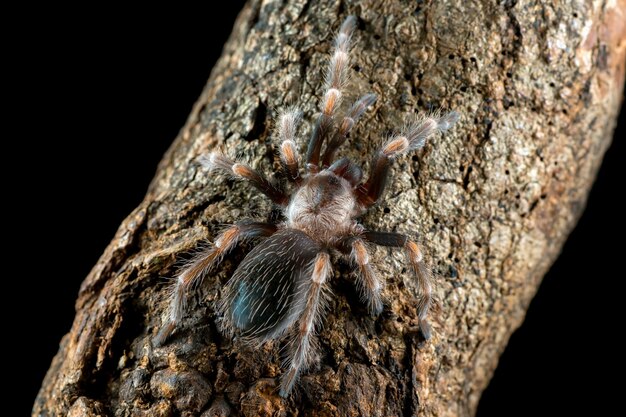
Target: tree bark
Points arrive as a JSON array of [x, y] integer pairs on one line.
[[538, 87]]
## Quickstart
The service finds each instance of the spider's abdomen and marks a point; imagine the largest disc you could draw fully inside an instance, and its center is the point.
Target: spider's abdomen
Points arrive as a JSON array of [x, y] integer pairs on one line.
[[264, 296], [323, 206]]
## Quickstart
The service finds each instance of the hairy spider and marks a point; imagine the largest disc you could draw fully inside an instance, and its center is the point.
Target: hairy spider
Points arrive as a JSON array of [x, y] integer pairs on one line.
[[278, 289]]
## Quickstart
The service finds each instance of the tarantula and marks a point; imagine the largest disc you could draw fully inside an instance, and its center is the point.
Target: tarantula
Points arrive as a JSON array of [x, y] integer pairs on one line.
[[278, 289]]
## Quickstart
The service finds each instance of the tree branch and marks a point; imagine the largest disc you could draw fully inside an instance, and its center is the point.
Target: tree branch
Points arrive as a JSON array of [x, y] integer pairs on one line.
[[493, 201]]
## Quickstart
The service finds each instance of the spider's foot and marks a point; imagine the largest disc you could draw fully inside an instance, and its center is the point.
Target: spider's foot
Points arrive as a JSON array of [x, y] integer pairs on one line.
[[164, 334], [375, 307], [424, 329]]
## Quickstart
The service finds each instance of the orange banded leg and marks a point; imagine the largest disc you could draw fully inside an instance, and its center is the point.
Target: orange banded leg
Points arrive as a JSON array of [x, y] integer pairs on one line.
[[336, 77], [219, 161], [425, 283], [193, 274], [287, 126], [346, 125], [368, 280], [419, 267], [302, 341], [412, 138]]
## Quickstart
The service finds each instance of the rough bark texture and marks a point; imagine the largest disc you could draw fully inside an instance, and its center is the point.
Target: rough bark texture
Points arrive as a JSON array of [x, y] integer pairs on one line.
[[538, 86]]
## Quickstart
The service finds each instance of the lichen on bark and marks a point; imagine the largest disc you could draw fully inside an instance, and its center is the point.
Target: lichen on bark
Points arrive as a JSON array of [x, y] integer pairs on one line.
[[538, 86]]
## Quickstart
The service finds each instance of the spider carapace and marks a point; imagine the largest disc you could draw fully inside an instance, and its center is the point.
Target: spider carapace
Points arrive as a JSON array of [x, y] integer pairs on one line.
[[278, 290]]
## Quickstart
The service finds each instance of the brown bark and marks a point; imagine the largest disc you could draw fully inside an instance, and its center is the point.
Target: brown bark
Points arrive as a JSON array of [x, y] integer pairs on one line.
[[539, 88]]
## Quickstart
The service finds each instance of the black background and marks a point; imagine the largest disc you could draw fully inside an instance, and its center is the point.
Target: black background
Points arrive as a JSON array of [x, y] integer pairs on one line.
[[100, 104]]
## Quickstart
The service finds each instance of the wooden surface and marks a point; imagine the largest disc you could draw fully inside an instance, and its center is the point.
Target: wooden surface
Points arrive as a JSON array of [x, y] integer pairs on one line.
[[538, 86]]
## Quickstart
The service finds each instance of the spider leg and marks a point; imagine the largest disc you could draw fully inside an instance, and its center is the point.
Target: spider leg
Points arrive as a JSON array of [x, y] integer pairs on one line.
[[219, 161], [422, 272], [287, 126], [336, 77], [368, 282], [346, 169], [355, 112], [413, 138], [201, 265], [302, 341]]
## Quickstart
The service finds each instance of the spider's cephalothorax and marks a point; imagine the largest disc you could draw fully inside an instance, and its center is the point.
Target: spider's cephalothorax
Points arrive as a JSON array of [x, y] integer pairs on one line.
[[277, 289]]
